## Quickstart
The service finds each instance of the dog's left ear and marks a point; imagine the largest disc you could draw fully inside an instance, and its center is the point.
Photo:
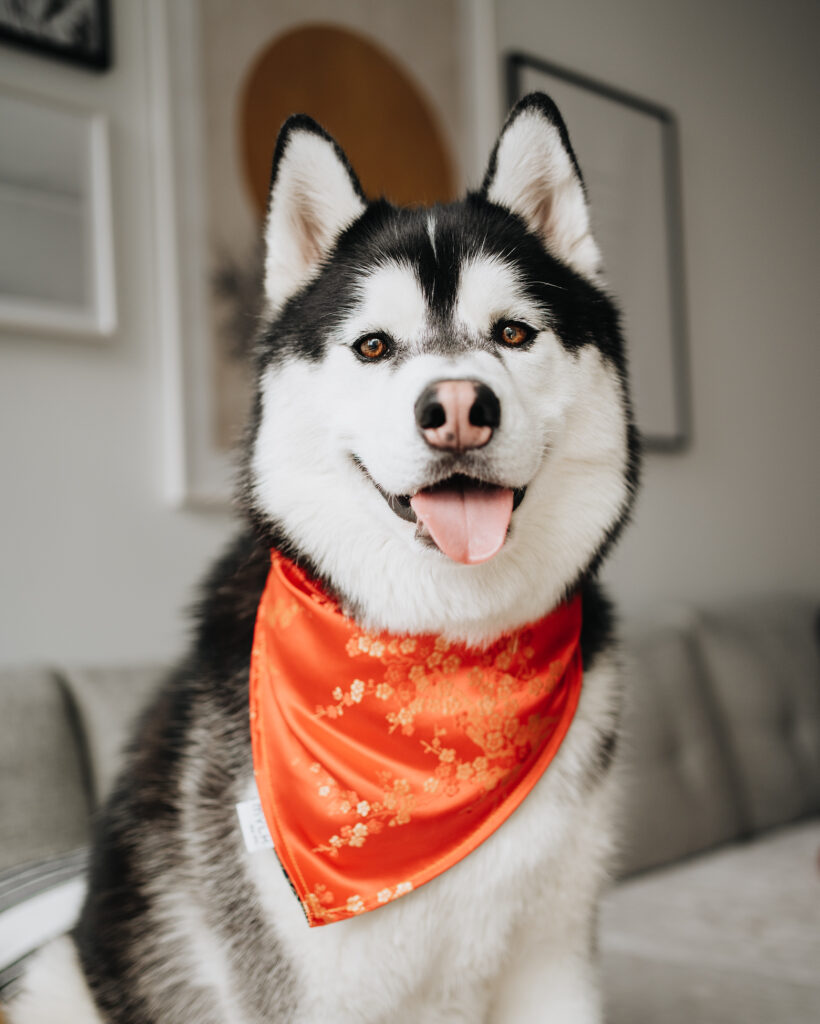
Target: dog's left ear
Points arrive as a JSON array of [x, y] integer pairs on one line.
[[314, 196], [534, 173]]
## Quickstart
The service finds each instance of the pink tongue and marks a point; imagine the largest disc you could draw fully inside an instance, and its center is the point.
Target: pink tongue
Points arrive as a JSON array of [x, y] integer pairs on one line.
[[470, 525]]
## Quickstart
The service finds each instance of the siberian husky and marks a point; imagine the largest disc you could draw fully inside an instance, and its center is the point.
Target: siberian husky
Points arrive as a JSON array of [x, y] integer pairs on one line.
[[406, 351]]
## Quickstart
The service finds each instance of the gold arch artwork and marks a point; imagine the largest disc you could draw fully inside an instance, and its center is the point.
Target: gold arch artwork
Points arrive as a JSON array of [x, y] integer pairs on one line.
[[359, 94]]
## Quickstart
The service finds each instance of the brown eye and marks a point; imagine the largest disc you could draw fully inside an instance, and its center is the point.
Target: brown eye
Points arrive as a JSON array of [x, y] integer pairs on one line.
[[372, 346], [512, 333]]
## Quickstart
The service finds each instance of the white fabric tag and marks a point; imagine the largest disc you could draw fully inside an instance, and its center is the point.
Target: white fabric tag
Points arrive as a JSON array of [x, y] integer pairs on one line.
[[254, 827]]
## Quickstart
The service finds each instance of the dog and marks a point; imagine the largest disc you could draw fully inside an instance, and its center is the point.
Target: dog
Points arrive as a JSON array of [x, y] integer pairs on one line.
[[441, 445]]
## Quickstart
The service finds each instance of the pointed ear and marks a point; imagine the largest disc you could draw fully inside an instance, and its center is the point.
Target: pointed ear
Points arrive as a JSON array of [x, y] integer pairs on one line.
[[534, 173], [314, 196]]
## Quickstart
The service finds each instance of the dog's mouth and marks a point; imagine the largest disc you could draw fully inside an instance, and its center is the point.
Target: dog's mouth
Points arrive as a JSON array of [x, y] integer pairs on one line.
[[467, 519]]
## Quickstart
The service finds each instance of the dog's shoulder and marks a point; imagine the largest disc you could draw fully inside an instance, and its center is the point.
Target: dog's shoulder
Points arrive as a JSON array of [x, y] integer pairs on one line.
[[226, 612]]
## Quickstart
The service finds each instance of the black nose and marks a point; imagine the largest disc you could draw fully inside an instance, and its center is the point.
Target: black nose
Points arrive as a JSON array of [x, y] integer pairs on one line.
[[457, 414], [486, 409]]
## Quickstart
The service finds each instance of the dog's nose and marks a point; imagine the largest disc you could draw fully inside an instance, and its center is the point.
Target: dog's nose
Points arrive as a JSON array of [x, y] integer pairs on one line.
[[457, 414]]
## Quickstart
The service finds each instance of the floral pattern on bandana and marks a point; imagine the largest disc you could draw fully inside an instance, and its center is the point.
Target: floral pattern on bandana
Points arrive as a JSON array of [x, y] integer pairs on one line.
[[382, 760]]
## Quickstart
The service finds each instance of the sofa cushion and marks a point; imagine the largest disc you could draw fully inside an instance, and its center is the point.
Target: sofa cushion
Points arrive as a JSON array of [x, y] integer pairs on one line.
[[44, 791], [764, 663], [107, 700], [678, 789], [641, 991], [729, 936]]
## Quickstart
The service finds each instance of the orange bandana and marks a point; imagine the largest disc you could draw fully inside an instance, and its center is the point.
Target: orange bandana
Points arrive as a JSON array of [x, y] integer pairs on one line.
[[382, 760]]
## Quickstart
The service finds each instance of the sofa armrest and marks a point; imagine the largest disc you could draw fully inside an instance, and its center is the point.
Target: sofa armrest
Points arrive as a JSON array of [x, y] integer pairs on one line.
[[44, 779]]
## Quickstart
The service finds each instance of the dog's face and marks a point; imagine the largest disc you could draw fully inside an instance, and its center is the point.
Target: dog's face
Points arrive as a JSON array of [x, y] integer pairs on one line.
[[442, 422]]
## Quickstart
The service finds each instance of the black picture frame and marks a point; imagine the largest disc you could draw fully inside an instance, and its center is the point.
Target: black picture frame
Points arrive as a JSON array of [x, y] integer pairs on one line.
[[679, 438], [85, 43]]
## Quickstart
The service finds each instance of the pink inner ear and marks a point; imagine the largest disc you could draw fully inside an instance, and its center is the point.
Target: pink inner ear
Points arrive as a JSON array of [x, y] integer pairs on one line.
[[312, 201], [536, 178]]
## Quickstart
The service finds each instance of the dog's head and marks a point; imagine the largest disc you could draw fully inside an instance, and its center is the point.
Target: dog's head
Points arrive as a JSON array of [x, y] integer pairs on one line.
[[442, 426]]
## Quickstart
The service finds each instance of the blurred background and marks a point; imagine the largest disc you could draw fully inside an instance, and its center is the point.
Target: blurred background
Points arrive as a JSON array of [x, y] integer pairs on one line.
[[112, 437], [135, 145]]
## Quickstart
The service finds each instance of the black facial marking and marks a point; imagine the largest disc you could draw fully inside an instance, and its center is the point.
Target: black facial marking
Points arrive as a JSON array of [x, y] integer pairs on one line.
[[578, 311], [438, 268]]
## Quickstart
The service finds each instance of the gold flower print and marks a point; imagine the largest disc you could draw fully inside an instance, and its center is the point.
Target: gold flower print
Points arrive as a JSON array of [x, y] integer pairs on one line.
[[419, 679], [319, 903], [394, 808], [285, 610]]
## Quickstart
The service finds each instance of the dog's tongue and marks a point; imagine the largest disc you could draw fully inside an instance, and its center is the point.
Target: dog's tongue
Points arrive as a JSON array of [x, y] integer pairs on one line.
[[468, 524]]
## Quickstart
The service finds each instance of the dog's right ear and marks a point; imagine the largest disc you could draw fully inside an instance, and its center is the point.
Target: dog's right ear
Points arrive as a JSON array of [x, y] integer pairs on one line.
[[314, 196]]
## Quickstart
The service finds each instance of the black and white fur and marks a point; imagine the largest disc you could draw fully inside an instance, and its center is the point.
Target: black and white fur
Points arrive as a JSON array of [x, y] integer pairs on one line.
[[181, 925]]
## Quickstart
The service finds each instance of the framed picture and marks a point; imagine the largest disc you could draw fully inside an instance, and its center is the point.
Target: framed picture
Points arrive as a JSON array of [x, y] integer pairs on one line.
[[74, 30], [628, 152], [56, 245]]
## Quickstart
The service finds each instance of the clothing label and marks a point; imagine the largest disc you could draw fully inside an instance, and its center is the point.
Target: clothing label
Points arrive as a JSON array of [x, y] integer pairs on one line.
[[254, 827]]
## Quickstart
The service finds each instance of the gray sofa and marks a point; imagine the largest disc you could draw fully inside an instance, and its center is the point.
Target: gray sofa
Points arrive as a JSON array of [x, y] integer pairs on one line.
[[715, 917]]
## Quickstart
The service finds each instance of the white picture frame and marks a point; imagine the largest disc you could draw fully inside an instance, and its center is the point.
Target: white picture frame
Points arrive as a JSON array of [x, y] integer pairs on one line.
[[196, 474], [56, 238], [627, 148]]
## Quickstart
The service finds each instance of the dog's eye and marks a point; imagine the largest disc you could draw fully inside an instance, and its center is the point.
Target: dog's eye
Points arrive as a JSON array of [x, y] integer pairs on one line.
[[372, 347], [513, 333]]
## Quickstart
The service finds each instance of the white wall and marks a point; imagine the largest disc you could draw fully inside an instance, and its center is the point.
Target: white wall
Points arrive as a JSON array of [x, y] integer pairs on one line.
[[737, 514], [94, 565]]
